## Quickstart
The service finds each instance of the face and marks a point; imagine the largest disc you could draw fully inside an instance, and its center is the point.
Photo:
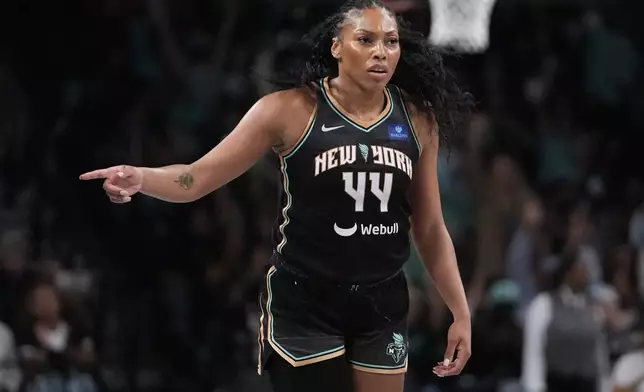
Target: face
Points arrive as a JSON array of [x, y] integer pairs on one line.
[[12, 261], [45, 302], [367, 47], [578, 225], [504, 170], [533, 213], [578, 277]]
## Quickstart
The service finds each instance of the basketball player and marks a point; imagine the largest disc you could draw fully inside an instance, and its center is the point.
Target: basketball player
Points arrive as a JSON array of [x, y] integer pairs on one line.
[[359, 171]]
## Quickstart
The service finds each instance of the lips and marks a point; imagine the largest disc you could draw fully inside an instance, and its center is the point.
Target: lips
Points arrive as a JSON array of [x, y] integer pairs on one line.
[[378, 69]]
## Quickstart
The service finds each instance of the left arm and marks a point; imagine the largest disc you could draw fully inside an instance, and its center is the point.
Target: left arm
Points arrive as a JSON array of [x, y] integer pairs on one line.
[[430, 234], [434, 243]]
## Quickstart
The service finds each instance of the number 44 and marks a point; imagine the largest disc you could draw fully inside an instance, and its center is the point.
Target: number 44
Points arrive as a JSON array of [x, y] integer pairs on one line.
[[358, 192]]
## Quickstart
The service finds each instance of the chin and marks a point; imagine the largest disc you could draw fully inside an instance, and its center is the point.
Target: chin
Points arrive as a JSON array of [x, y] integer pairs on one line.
[[376, 82]]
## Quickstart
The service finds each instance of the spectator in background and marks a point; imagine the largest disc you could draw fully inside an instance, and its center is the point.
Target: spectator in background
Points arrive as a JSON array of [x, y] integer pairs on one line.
[[640, 273], [623, 280], [636, 239], [581, 238], [57, 355], [503, 193], [14, 276], [620, 299], [628, 373], [524, 252], [636, 227], [9, 372], [564, 343]]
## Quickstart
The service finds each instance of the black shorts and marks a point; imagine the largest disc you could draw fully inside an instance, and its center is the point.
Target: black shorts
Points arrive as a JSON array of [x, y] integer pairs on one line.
[[307, 319]]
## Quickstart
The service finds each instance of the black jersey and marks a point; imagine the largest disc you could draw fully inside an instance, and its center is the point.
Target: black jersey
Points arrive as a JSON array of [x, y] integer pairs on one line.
[[344, 209]]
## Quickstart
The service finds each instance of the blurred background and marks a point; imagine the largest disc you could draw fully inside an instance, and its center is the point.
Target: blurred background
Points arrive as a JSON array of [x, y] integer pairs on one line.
[[545, 196]]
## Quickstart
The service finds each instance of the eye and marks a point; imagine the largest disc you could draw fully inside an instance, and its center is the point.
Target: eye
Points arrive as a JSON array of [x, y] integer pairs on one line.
[[364, 40], [394, 41]]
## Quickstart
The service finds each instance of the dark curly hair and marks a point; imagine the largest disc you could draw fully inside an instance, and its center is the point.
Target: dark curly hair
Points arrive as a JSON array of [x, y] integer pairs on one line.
[[420, 72]]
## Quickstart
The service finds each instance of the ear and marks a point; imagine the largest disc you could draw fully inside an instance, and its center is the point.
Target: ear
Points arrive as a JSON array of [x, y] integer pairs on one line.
[[336, 48]]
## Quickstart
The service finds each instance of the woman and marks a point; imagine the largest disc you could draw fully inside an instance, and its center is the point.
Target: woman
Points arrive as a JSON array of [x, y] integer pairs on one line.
[[564, 343], [55, 353], [358, 158]]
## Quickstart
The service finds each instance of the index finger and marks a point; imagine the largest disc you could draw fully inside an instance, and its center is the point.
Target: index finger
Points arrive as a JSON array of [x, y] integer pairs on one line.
[[94, 175]]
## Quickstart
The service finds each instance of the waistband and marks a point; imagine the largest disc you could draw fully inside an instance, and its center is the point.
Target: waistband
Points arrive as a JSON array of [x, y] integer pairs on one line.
[[280, 262]]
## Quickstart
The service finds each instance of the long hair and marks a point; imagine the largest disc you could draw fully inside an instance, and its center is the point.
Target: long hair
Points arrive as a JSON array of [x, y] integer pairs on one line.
[[421, 73]]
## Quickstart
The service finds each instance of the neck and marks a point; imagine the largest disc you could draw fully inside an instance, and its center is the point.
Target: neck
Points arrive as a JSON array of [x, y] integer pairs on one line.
[[354, 99]]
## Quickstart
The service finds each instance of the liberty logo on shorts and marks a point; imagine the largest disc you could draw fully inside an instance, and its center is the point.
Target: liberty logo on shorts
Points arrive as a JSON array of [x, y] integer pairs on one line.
[[398, 132], [398, 349]]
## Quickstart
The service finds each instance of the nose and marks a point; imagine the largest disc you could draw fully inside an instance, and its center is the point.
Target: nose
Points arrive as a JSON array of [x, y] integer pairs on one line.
[[379, 52]]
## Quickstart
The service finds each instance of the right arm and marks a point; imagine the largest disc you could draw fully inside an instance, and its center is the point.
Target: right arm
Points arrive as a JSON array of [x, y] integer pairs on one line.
[[271, 123], [256, 133]]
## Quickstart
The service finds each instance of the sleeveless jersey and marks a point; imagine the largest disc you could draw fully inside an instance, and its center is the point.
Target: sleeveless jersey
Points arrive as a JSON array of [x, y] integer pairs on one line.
[[344, 208]]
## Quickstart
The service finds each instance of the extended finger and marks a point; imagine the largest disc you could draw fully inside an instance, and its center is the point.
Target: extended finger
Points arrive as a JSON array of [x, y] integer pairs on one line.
[[453, 372], [94, 175], [439, 372], [442, 368], [442, 371]]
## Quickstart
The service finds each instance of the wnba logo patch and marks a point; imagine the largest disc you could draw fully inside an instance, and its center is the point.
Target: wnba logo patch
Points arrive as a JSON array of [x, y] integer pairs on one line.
[[398, 132]]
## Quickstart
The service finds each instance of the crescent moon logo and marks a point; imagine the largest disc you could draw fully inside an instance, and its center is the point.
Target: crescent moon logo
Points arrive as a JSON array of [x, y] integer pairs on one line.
[[345, 232]]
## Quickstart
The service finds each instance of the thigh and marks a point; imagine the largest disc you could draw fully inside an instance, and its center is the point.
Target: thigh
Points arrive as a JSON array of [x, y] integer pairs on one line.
[[293, 325], [333, 375], [377, 382]]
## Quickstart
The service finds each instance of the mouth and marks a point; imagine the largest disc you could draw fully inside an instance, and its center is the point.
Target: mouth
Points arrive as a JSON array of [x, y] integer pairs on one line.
[[378, 70]]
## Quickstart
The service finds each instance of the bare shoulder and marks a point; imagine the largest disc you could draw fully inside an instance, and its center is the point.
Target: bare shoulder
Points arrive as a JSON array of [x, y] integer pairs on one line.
[[424, 123], [292, 111], [293, 101]]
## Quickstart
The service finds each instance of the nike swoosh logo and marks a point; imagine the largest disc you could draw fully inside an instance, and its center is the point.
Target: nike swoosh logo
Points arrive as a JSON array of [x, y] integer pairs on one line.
[[328, 129], [345, 232]]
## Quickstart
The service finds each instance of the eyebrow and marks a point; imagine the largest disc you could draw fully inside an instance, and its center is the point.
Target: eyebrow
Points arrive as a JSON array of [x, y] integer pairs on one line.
[[371, 32]]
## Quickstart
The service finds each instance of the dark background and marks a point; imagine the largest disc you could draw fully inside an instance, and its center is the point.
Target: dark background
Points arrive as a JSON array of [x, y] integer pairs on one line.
[[166, 293]]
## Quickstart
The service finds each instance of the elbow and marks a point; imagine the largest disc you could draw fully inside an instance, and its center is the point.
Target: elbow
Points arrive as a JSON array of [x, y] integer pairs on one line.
[[432, 242], [188, 184], [195, 194], [192, 196], [198, 183]]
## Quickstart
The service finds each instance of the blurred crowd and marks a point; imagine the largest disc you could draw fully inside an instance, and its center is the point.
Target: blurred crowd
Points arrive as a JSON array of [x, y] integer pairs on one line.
[[543, 197]]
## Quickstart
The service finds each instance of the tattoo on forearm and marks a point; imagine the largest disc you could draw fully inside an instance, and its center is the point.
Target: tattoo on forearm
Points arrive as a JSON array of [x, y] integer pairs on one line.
[[185, 181]]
